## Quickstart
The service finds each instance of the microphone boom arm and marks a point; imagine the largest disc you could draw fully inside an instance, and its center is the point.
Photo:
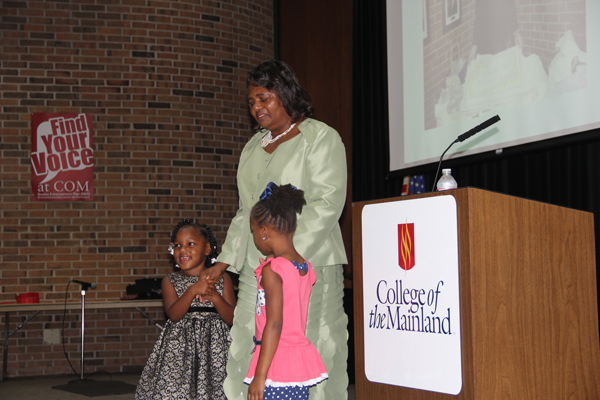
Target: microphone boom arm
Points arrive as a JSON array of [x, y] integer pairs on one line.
[[462, 138]]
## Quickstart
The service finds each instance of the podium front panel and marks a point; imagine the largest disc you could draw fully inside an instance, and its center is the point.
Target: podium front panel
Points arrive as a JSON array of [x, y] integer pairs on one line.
[[411, 308]]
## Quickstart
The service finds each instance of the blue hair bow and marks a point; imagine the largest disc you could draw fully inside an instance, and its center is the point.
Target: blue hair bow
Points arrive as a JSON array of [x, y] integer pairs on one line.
[[269, 190]]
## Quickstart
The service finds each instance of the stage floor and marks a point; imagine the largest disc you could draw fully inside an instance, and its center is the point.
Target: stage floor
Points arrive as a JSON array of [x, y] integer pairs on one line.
[[42, 388]]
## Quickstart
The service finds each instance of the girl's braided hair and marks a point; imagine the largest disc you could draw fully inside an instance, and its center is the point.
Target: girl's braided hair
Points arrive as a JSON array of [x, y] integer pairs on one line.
[[205, 231], [280, 208]]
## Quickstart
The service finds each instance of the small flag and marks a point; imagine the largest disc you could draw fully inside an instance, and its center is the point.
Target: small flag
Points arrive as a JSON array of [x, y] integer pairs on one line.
[[405, 185], [414, 184]]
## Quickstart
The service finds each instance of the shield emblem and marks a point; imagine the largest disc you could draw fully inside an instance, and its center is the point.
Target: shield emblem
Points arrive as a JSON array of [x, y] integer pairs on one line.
[[406, 246]]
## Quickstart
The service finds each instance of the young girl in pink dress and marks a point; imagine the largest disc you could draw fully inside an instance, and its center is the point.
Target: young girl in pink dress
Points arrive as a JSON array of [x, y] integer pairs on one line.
[[285, 363]]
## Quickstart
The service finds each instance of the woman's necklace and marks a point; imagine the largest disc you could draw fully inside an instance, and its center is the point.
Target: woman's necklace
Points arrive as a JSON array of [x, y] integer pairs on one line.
[[268, 139]]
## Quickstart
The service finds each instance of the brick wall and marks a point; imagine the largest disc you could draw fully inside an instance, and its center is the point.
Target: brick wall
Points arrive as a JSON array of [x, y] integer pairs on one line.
[[165, 82], [541, 25], [437, 53], [116, 340]]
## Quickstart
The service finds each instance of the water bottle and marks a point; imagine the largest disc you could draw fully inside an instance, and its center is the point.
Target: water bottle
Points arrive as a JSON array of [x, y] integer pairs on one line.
[[446, 180]]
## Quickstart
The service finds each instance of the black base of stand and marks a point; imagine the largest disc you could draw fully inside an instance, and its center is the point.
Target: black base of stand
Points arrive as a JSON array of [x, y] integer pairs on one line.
[[90, 388]]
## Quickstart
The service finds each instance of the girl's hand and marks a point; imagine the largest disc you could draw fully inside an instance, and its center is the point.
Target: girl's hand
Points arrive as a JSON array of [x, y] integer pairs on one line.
[[224, 302], [273, 286], [256, 389], [213, 273], [210, 295], [176, 307]]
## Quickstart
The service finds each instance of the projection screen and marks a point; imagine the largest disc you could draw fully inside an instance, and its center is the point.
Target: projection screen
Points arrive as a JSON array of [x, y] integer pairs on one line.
[[453, 64]]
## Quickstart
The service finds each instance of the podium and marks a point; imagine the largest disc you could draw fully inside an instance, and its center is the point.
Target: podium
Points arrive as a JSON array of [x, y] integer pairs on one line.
[[528, 305]]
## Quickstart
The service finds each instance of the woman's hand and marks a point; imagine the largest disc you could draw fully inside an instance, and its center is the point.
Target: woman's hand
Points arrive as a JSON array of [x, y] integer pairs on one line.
[[215, 272], [205, 287]]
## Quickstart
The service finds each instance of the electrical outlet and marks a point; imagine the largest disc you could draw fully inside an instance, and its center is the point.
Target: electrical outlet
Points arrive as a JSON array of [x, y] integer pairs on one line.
[[51, 336]]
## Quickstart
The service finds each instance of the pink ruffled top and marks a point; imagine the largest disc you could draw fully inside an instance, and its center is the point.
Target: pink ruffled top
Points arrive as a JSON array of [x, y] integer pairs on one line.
[[296, 361]]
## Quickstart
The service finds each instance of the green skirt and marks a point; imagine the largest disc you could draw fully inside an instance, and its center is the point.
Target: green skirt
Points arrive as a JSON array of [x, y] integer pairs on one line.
[[326, 328]]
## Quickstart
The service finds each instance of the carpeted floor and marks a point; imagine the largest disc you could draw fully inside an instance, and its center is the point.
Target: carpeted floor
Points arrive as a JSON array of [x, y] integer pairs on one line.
[[43, 387]]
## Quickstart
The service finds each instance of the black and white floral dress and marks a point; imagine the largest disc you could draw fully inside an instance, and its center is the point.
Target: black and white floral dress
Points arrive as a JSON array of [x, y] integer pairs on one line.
[[189, 358]]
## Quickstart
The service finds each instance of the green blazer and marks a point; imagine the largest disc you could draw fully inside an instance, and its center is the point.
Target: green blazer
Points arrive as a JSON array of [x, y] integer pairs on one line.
[[314, 161]]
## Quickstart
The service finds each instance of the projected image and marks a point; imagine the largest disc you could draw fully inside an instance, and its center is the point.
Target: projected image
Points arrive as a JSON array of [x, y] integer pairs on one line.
[[485, 56], [454, 64]]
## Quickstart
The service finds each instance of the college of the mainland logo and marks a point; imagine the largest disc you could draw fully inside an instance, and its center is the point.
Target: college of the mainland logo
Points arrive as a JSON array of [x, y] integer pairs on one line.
[[406, 246]]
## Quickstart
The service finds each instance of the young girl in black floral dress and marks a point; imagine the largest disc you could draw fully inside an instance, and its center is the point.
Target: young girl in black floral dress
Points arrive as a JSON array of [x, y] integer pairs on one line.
[[188, 360]]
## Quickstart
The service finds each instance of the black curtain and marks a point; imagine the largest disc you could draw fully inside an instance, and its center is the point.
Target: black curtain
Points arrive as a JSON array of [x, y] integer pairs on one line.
[[370, 159], [564, 172]]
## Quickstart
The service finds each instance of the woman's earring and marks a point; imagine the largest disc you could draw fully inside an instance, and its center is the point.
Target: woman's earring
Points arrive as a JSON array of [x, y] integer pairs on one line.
[[264, 238]]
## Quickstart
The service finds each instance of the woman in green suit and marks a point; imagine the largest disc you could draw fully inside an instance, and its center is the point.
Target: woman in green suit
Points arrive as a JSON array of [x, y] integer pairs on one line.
[[290, 147]]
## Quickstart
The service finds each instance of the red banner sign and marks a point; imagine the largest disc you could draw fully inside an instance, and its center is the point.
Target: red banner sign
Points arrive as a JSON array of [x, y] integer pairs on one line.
[[61, 157], [406, 246]]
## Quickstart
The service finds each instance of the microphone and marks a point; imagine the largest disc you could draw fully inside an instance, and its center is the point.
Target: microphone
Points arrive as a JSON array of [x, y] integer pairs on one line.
[[478, 128], [85, 285], [464, 137]]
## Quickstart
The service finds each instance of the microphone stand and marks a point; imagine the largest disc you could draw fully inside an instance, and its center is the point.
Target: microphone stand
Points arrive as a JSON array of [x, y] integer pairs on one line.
[[84, 288], [82, 327], [440, 164], [87, 386]]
